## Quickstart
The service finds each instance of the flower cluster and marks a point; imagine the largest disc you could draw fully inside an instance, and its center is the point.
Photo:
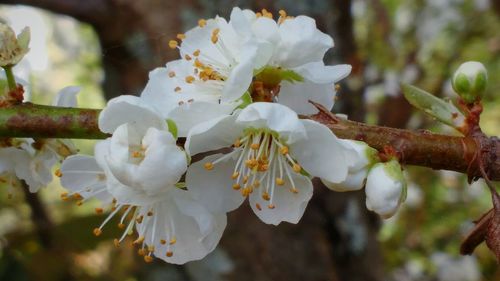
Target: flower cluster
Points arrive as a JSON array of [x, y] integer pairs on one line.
[[31, 160], [234, 96]]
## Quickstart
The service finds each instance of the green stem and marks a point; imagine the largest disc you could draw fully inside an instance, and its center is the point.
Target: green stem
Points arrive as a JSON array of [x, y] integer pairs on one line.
[[10, 77], [39, 121]]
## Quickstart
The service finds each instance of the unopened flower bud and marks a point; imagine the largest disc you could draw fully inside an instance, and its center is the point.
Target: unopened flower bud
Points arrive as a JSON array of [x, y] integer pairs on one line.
[[470, 81], [12, 48], [362, 157], [385, 188]]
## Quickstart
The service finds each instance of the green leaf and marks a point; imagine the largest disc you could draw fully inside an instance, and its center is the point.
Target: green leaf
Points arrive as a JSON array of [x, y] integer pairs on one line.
[[443, 111], [172, 127]]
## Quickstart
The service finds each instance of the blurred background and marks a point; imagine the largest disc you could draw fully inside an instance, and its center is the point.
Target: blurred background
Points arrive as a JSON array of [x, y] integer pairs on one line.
[[108, 47]]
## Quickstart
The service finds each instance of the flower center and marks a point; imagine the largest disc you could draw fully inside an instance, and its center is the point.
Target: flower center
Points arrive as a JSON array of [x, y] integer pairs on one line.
[[265, 86], [263, 164]]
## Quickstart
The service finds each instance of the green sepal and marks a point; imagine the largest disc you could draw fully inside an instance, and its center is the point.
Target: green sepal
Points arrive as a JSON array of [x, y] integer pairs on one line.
[[246, 100], [444, 111], [172, 127]]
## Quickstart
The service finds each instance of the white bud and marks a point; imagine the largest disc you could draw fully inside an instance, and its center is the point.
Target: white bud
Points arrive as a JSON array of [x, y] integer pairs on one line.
[[470, 81], [364, 158], [12, 48], [385, 188]]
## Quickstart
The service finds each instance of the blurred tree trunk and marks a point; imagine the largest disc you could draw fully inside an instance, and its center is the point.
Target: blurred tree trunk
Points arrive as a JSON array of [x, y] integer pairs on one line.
[[336, 238]]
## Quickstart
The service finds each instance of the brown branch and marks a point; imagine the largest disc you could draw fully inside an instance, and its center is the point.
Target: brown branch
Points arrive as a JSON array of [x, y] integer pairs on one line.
[[420, 148]]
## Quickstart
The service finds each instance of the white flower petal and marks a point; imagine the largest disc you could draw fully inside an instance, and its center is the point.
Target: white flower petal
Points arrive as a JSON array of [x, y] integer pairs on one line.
[[67, 97], [129, 109], [320, 73], [354, 181], [297, 96], [213, 188], [274, 116], [321, 154], [288, 206], [189, 115], [195, 230], [241, 75], [81, 174], [301, 42], [384, 192], [212, 135], [162, 165]]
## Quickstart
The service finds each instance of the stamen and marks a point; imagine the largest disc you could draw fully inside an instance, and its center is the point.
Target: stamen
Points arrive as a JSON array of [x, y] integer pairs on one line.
[[171, 74], [181, 36], [202, 23], [58, 173], [209, 166], [172, 44]]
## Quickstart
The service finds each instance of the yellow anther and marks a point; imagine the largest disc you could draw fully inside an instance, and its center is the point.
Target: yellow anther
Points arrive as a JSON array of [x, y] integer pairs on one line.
[[202, 23], [138, 241], [337, 87], [280, 181], [263, 167], [141, 252], [163, 241], [257, 205], [198, 63], [172, 44], [136, 154], [148, 259], [116, 242], [265, 196], [284, 150], [256, 183], [97, 231], [99, 211], [77, 196], [58, 173], [189, 79], [187, 57], [151, 248], [294, 190], [214, 39], [209, 166], [150, 213], [181, 36], [196, 53], [172, 241], [237, 143], [236, 186], [271, 206], [296, 168], [169, 254], [282, 13], [255, 146], [171, 74], [258, 14], [121, 225], [177, 89], [235, 175], [79, 202], [64, 195], [245, 179]]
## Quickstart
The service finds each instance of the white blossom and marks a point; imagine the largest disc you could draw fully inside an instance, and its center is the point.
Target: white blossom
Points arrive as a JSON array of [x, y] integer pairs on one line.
[[358, 171], [385, 188], [138, 170], [273, 155], [12, 47]]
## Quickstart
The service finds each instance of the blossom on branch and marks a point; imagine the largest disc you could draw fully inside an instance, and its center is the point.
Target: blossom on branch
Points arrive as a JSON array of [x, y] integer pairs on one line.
[[273, 156]]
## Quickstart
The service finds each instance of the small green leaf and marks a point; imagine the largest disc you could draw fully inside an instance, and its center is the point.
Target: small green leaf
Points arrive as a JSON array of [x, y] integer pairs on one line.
[[442, 110], [172, 127]]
